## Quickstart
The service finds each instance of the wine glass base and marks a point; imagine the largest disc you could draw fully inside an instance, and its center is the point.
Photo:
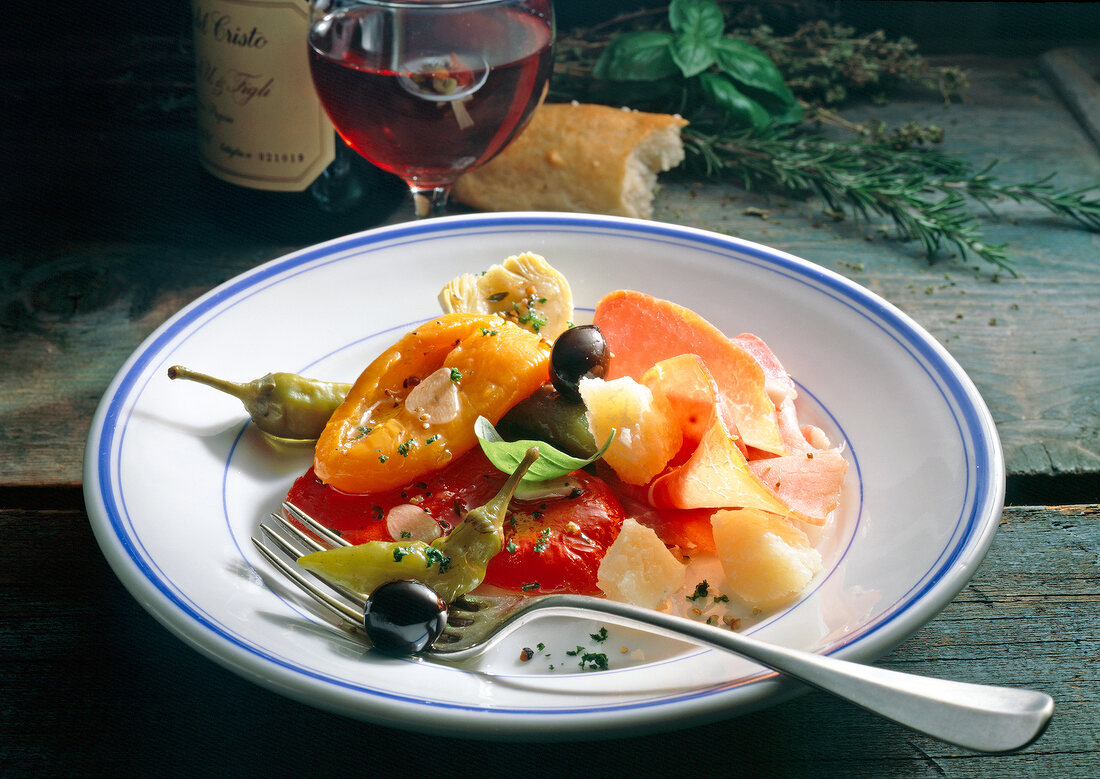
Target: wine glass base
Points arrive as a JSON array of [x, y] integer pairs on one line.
[[429, 201]]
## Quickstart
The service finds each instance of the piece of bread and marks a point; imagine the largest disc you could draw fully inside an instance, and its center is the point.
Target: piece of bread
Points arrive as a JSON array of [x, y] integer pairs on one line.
[[578, 157]]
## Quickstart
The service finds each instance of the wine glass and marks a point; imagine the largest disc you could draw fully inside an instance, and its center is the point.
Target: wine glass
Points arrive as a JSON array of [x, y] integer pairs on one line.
[[428, 89]]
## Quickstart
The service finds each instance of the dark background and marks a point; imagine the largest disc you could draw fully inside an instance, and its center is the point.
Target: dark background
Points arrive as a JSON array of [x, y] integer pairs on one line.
[[974, 27], [78, 63]]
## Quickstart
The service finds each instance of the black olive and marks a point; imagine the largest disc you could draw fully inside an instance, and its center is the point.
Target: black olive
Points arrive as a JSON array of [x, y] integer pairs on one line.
[[404, 617], [579, 353]]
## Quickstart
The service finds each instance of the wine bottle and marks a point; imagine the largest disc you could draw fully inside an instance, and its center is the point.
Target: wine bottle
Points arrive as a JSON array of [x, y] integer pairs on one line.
[[273, 165]]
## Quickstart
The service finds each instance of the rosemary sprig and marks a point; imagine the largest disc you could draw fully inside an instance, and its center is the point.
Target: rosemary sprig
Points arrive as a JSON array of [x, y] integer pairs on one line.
[[1067, 203], [925, 192], [917, 189]]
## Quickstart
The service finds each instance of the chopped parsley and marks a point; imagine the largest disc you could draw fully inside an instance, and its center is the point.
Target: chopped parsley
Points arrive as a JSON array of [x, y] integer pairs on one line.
[[544, 539], [382, 458], [433, 439], [536, 320], [435, 556], [403, 449], [532, 317], [529, 586], [406, 534], [432, 555], [488, 332], [599, 637], [590, 661], [594, 661], [702, 589], [456, 375], [511, 548]]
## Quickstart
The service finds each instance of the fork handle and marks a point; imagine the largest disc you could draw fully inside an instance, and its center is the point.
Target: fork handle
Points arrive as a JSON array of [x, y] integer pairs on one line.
[[981, 718]]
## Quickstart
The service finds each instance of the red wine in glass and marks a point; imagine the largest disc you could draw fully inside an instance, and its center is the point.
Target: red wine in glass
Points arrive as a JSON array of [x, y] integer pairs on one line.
[[427, 92]]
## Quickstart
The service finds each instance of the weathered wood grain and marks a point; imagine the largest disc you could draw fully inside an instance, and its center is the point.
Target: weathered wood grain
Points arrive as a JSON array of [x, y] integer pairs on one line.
[[1074, 71], [89, 683]]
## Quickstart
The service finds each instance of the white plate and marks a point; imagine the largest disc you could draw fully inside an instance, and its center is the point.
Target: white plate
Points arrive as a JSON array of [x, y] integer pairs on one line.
[[176, 480]]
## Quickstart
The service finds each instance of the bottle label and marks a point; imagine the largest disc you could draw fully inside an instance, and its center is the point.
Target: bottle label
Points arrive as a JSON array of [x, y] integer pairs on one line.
[[260, 122]]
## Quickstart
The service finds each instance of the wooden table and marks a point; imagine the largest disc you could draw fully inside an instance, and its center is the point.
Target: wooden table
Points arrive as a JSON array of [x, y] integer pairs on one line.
[[103, 241]]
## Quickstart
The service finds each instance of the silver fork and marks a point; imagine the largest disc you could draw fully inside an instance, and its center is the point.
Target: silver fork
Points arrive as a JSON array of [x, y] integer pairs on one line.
[[978, 717]]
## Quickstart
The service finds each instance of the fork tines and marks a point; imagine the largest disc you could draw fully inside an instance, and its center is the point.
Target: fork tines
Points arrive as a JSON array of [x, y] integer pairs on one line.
[[293, 541], [293, 533]]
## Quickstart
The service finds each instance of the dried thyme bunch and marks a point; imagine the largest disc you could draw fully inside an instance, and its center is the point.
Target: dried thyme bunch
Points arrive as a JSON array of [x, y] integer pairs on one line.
[[676, 62], [827, 64]]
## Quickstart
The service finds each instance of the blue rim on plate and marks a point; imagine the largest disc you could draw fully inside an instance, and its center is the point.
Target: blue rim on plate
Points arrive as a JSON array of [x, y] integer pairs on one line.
[[979, 507]]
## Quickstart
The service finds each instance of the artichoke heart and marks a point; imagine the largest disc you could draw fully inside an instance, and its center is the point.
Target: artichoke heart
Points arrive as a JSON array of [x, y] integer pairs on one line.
[[524, 289]]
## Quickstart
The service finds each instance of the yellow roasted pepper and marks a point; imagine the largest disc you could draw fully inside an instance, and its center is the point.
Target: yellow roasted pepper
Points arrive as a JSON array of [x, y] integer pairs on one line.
[[413, 409]]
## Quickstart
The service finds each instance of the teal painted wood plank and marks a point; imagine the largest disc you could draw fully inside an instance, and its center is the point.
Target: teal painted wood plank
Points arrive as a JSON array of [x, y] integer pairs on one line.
[[1074, 71]]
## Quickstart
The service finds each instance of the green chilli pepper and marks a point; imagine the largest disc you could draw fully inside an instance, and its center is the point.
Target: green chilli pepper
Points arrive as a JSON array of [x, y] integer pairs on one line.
[[452, 565], [283, 405]]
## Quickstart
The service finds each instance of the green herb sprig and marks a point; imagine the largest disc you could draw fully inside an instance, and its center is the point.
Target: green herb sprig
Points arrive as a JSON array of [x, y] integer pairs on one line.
[[698, 66], [745, 92]]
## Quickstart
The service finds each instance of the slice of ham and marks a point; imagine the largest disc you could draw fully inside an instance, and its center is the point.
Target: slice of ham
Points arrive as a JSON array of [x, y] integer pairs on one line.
[[810, 482], [744, 445], [714, 473], [778, 383], [717, 475], [642, 330]]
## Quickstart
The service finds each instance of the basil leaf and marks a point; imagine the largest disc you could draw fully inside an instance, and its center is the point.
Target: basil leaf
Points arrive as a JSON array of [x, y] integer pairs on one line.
[[700, 19], [692, 54], [738, 107], [637, 56], [781, 113], [698, 24], [551, 464], [750, 67]]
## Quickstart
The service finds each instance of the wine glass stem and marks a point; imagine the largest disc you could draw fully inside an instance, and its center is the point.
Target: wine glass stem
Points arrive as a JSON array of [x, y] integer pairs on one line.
[[429, 201]]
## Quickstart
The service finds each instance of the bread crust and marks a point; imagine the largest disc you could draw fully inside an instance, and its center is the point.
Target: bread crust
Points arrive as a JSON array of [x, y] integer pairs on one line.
[[578, 157]]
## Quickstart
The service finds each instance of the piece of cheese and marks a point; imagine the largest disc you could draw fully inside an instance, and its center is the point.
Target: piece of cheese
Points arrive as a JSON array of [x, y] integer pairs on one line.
[[767, 560], [639, 569]]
